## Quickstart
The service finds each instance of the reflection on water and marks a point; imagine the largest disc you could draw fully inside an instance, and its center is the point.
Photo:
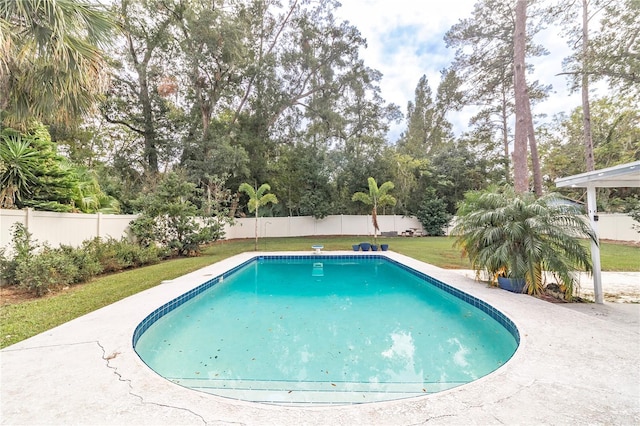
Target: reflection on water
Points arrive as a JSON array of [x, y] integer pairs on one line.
[[402, 365], [460, 355], [402, 346]]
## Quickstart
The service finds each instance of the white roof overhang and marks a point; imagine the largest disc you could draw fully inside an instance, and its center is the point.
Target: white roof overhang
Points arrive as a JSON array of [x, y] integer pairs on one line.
[[621, 176]]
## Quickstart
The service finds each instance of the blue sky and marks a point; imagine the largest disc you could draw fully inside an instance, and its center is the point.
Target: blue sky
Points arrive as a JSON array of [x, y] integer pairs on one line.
[[405, 41]]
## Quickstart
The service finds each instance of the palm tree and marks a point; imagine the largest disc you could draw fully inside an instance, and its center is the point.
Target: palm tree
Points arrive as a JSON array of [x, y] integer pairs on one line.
[[18, 164], [376, 197], [33, 174], [518, 236], [258, 198], [51, 64], [87, 194]]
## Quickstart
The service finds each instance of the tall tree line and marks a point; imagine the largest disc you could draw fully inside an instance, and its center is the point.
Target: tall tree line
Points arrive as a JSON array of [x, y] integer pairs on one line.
[[265, 91]]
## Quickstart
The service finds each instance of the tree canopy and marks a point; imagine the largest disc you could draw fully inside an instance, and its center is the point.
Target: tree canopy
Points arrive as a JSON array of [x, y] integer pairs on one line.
[[224, 92], [59, 43]]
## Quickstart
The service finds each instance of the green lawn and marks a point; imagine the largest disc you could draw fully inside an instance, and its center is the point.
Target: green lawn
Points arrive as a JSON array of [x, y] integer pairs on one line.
[[618, 257], [22, 320]]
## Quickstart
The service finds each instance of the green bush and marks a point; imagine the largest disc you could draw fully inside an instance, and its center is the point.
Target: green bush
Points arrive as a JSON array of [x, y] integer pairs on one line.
[[144, 230], [632, 207], [150, 255], [105, 254], [23, 249], [41, 269], [433, 216], [115, 255], [48, 270], [169, 218], [127, 255], [88, 265]]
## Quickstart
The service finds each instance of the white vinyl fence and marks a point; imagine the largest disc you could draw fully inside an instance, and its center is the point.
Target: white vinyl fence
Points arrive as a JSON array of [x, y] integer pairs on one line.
[[74, 228], [302, 226], [63, 228]]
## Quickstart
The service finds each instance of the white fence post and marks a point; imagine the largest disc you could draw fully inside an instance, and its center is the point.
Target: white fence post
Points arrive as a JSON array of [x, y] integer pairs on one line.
[[98, 224], [28, 218]]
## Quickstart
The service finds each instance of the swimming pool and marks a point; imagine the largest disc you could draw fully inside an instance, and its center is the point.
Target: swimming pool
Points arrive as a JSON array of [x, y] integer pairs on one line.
[[324, 329]]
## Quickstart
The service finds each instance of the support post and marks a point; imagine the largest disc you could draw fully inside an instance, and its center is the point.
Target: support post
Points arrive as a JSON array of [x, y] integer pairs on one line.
[[99, 225], [592, 210], [28, 219]]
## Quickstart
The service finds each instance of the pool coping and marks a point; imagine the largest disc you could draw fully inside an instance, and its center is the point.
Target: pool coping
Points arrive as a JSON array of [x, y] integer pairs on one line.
[[541, 376]]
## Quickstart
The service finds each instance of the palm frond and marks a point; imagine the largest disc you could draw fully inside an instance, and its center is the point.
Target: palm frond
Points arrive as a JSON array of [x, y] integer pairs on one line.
[[51, 53], [363, 198], [517, 235]]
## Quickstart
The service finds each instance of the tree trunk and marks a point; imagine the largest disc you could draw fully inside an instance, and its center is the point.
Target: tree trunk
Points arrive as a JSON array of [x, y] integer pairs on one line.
[[150, 150], [535, 158], [520, 169], [255, 246], [505, 136], [374, 220], [586, 109]]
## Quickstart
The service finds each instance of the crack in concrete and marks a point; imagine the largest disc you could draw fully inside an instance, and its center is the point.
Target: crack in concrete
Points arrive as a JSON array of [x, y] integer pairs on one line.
[[108, 358], [60, 345], [521, 388], [442, 416]]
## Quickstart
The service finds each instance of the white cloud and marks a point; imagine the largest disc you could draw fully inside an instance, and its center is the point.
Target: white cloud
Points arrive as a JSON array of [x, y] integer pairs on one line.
[[405, 41]]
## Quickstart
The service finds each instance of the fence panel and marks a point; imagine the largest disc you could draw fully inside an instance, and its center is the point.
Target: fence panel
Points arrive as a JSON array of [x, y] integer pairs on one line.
[[618, 227], [63, 228], [8, 218], [74, 228]]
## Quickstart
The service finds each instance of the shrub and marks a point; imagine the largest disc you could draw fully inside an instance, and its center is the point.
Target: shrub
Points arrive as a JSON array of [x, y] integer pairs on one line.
[[23, 249], [48, 270], [150, 255], [433, 216], [144, 230], [632, 208], [105, 254], [115, 255], [169, 218], [128, 255], [88, 265], [53, 268], [635, 215]]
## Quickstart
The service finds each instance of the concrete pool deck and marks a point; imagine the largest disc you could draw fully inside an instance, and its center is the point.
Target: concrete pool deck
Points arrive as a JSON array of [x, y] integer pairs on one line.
[[576, 364]]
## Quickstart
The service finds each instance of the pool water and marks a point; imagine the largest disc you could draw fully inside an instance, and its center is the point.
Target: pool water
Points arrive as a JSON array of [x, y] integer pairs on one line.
[[324, 331]]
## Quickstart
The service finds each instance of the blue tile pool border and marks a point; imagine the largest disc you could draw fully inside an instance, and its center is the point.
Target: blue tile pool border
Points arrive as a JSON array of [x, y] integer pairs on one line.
[[471, 300]]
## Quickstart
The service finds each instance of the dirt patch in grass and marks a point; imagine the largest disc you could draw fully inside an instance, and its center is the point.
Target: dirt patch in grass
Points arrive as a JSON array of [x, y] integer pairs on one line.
[[622, 243], [10, 295]]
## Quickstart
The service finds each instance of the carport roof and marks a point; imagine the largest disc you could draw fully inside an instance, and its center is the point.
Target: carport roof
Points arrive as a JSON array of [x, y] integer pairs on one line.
[[621, 176]]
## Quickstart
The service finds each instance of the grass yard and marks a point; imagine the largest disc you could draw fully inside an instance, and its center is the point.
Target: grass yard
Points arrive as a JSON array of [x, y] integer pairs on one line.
[[619, 257], [22, 318]]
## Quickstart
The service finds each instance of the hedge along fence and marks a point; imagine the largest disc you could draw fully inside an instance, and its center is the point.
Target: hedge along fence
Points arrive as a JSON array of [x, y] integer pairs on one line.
[[74, 228]]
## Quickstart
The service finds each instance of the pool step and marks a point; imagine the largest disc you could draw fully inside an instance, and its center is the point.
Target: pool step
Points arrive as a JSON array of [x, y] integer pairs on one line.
[[311, 392]]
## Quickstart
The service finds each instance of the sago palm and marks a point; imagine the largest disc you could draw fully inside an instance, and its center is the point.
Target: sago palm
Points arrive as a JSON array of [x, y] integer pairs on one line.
[[258, 198], [376, 197], [18, 164], [519, 236]]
